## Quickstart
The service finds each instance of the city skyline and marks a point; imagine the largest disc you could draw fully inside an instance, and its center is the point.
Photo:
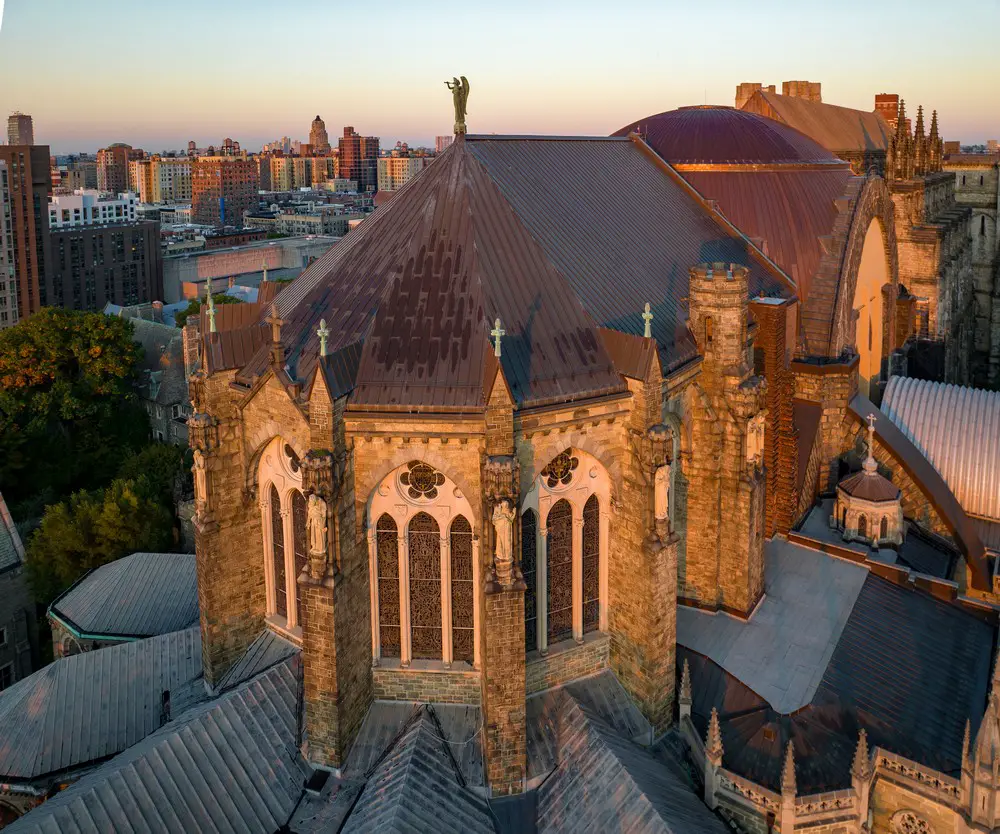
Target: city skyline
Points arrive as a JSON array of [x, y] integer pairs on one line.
[[222, 74]]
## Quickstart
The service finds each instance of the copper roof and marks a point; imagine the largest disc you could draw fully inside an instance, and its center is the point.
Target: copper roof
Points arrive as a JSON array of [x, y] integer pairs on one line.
[[971, 160], [835, 128], [869, 486], [507, 227], [723, 135]]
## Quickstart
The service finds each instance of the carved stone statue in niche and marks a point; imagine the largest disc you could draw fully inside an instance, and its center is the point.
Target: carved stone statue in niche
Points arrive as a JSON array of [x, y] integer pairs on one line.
[[755, 439], [200, 471], [317, 521], [503, 558], [661, 495]]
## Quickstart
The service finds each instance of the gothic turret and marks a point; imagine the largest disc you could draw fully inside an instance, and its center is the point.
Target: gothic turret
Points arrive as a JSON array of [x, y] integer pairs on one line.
[[934, 146], [919, 145]]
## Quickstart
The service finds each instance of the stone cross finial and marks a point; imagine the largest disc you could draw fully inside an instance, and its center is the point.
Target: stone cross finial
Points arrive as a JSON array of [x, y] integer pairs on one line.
[[211, 307], [870, 465], [788, 772], [263, 263], [496, 333], [647, 318], [276, 322], [323, 334]]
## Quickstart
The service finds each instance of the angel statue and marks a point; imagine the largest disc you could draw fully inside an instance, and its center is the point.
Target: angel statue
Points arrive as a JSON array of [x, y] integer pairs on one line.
[[460, 95]]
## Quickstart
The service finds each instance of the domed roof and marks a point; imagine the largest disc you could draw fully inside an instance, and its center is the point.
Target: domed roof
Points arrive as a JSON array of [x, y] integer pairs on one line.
[[715, 135]]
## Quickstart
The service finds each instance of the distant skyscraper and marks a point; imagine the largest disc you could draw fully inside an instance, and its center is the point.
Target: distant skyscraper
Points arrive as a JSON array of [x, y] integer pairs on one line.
[[20, 131], [222, 188], [8, 281], [113, 167], [359, 159], [318, 138], [29, 181], [442, 142]]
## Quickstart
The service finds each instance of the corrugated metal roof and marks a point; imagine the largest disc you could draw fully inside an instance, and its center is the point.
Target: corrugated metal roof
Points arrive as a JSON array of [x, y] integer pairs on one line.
[[141, 595], [714, 134], [264, 652], [231, 765], [989, 533], [958, 431], [508, 227], [416, 788], [83, 708], [838, 129], [11, 548], [908, 668], [603, 782]]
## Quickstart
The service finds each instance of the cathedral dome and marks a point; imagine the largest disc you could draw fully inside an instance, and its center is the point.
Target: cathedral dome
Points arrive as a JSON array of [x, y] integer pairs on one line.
[[714, 135]]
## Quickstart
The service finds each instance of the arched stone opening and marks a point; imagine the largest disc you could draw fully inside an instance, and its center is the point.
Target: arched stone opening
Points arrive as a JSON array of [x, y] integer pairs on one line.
[[564, 550], [424, 569], [869, 308], [283, 523]]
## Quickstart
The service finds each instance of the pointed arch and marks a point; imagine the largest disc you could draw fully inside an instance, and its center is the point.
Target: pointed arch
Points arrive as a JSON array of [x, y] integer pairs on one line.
[[591, 564], [529, 569], [424, 548], [278, 553], [559, 574], [863, 526], [462, 591], [387, 578], [300, 553]]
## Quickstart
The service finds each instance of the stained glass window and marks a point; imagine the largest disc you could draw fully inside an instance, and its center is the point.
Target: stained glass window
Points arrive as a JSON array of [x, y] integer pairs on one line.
[[278, 555], [421, 480], [560, 470], [529, 528], [462, 589], [862, 526], [591, 564], [425, 587], [387, 558], [559, 590], [883, 528], [299, 531]]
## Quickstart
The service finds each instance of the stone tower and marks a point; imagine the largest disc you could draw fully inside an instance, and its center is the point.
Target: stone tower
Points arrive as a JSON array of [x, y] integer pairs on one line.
[[725, 564]]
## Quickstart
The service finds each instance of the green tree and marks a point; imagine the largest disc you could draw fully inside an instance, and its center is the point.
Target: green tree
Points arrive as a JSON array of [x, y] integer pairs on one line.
[[94, 528], [194, 307], [166, 467], [68, 413]]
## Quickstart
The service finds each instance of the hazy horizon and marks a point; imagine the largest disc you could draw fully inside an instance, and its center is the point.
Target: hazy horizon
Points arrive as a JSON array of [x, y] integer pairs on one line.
[[157, 76]]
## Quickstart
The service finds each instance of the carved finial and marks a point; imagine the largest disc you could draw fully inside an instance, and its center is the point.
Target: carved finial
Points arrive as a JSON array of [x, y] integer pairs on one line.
[[934, 125], [496, 333], [685, 683], [859, 767], [277, 349], [263, 264], [870, 465], [918, 128], [323, 334], [788, 772], [901, 119], [460, 98], [647, 318], [713, 741], [966, 739], [210, 302]]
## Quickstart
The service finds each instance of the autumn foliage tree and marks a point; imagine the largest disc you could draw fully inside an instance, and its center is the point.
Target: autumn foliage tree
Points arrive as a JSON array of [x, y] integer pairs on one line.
[[68, 413]]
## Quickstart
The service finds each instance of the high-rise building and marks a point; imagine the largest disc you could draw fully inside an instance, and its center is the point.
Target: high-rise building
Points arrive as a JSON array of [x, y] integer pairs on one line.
[[395, 171], [442, 142], [29, 183], [318, 137], [163, 179], [113, 167], [222, 188], [20, 130], [359, 159], [87, 207], [8, 282]]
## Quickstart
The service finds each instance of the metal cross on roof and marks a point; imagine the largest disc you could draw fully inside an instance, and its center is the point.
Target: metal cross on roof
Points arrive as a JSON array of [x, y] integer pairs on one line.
[[323, 334], [211, 307], [647, 318], [496, 333]]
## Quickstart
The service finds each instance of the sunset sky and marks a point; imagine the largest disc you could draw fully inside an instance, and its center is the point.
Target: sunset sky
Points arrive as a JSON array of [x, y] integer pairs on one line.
[[153, 74]]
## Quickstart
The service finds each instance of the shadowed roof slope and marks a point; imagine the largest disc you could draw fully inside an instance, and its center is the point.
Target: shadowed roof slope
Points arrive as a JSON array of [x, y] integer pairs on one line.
[[141, 595], [508, 227], [835, 128], [11, 548]]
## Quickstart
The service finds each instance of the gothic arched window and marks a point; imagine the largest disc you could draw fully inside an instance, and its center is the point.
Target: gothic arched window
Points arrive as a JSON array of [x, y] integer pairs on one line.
[[462, 590], [843, 518], [301, 547], [862, 526], [529, 533], [278, 555], [387, 550], [559, 584], [591, 564], [424, 545], [883, 528], [982, 225]]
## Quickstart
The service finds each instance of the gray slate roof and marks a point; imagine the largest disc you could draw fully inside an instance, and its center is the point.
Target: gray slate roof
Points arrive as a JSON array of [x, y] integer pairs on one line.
[[87, 707], [11, 548], [264, 652], [231, 765], [163, 379], [141, 595], [604, 782]]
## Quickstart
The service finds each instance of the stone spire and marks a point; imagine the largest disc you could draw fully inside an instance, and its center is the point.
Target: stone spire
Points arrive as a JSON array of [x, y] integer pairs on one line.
[[902, 147], [860, 765], [788, 787], [713, 741], [919, 144], [684, 701], [934, 149], [966, 739]]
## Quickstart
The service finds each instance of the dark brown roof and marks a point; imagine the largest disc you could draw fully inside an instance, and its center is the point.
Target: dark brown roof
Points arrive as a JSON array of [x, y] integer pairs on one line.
[[869, 486], [838, 129], [723, 135], [507, 227]]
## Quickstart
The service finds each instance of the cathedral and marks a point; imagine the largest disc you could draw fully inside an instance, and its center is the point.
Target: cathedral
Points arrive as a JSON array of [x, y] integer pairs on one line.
[[521, 510]]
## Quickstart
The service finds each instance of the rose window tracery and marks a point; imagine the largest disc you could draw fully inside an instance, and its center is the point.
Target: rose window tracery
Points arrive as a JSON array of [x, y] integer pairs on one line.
[[560, 470], [907, 822], [421, 481]]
